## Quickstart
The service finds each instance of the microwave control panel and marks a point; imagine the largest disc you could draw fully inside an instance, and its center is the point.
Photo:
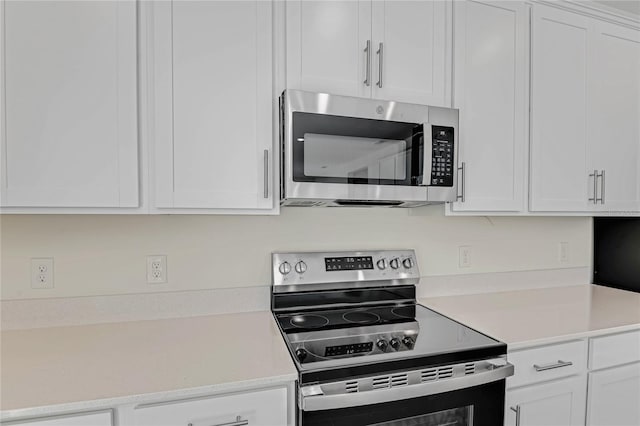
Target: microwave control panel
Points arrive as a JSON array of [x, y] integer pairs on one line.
[[442, 156]]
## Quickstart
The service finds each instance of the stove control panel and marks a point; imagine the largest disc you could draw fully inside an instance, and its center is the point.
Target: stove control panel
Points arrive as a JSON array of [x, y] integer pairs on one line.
[[332, 269]]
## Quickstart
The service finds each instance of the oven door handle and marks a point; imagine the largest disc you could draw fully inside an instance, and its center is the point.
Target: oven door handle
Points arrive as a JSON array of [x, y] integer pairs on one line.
[[345, 400]]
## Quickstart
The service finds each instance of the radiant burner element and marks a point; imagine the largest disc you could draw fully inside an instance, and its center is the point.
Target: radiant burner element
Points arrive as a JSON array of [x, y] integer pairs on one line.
[[361, 317], [308, 321]]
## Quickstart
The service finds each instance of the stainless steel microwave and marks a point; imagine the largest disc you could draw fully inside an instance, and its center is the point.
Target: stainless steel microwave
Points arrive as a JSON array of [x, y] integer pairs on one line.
[[346, 151]]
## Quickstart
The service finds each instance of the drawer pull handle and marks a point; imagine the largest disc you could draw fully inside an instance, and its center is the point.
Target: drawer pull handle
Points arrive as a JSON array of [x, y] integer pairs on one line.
[[237, 422], [558, 364]]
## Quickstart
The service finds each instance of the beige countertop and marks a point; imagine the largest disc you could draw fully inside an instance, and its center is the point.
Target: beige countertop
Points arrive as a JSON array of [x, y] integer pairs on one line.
[[113, 363], [533, 317]]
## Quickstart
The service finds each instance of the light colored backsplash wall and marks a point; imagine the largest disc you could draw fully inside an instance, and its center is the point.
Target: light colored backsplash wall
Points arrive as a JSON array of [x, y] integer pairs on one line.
[[106, 255]]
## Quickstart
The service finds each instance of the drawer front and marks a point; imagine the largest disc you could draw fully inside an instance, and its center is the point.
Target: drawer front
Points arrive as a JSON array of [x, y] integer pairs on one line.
[[103, 418], [615, 349], [547, 362], [263, 408]]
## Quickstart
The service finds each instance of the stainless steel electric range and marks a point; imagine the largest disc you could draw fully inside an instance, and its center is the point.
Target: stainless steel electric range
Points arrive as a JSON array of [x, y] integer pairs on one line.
[[368, 354]]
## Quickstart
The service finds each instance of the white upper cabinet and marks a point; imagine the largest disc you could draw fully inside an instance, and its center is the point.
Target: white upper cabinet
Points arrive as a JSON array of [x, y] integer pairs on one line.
[[69, 126], [490, 84], [559, 177], [614, 123], [409, 51], [214, 106], [392, 50], [326, 46]]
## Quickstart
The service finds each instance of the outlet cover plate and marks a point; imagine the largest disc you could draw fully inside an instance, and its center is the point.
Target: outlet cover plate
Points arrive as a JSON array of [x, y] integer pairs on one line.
[[157, 269], [42, 273]]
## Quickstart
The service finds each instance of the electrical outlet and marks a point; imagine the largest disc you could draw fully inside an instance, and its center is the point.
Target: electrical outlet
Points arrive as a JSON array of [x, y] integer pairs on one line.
[[156, 269], [563, 252], [42, 272], [464, 257]]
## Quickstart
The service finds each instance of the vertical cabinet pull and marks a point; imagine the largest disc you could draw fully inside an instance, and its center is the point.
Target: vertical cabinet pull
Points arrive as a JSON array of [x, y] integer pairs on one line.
[[595, 186], [367, 77], [602, 185], [238, 422], [516, 410], [380, 54], [266, 173], [461, 183]]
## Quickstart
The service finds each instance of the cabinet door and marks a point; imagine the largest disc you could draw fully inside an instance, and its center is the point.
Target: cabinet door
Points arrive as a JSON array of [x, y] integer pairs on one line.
[[559, 177], [490, 83], [560, 402], [260, 408], [614, 101], [613, 397], [410, 51], [70, 124], [326, 42], [213, 104]]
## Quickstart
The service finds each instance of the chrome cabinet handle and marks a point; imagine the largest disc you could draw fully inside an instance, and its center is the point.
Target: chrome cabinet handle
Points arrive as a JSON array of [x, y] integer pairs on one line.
[[595, 186], [367, 77], [237, 422], [380, 52], [461, 183], [558, 364], [602, 185], [516, 410], [266, 173]]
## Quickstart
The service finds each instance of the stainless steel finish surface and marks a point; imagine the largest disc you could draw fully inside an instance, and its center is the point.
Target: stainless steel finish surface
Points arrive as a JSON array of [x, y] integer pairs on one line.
[[237, 422], [367, 78], [315, 275], [516, 410], [380, 54], [595, 186], [558, 364], [315, 194], [266, 173], [462, 179], [405, 385], [427, 157]]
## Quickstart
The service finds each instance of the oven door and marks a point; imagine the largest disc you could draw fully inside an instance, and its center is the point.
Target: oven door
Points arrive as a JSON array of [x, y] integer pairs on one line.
[[475, 400]]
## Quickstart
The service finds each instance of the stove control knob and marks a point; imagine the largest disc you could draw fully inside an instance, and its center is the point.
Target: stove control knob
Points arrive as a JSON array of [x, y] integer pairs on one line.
[[407, 263], [301, 267], [285, 268], [382, 264], [301, 354], [395, 343], [394, 263], [382, 344], [408, 342]]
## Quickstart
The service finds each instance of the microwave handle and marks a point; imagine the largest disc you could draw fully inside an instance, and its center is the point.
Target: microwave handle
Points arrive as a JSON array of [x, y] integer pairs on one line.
[[427, 161]]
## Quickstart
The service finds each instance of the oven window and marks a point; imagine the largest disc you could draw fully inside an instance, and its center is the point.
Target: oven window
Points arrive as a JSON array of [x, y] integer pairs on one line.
[[334, 149], [454, 417]]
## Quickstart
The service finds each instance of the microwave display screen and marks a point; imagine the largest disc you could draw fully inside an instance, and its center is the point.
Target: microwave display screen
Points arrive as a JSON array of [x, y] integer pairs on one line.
[[348, 263]]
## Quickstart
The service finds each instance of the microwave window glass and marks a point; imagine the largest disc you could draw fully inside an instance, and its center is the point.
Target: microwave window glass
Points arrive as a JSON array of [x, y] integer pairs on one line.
[[354, 157]]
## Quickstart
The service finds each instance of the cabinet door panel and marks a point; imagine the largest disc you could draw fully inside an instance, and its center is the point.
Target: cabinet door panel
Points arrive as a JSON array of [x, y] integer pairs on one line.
[[614, 100], [70, 103], [325, 46], [614, 396], [560, 402], [214, 107], [414, 40], [490, 83], [559, 177]]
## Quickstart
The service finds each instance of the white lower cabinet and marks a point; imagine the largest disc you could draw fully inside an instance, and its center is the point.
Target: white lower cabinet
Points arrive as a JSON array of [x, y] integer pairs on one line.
[[614, 396], [555, 403], [103, 418], [260, 408]]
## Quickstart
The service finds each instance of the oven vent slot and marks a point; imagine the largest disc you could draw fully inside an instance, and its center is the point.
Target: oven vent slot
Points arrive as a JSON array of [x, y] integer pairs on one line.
[[304, 203], [429, 375], [469, 368], [399, 380], [445, 372], [351, 387], [381, 382]]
